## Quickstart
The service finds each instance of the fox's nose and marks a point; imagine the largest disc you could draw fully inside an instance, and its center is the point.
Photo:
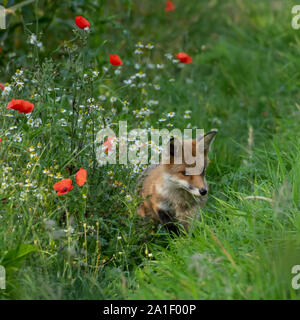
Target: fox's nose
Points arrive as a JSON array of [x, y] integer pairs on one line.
[[203, 191]]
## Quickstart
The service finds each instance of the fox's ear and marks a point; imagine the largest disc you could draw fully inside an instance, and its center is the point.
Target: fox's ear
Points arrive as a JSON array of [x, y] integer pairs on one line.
[[208, 139]]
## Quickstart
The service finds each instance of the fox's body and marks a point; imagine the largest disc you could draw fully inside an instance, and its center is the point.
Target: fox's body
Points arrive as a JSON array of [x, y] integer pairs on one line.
[[172, 196]]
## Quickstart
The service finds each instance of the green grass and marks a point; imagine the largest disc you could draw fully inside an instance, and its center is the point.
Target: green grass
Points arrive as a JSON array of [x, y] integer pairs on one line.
[[244, 80]]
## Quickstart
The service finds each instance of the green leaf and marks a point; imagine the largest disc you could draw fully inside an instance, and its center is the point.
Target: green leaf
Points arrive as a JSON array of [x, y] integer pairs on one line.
[[14, 258]]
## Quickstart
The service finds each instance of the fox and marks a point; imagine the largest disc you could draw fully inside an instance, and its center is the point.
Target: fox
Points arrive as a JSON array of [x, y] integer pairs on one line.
[[170, 196]]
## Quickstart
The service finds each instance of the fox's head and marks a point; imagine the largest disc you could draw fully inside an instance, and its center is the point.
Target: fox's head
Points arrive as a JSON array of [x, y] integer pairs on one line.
[[177, 173]]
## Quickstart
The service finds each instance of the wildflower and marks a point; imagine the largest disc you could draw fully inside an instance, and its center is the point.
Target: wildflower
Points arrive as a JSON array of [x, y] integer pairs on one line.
[[102, 97], [187, 114], [115, 60], [149, 46], [140, 74], [81, 177], [33, 40], [162, 119], [19, 84], [31, 149], [2, 86], [69, 230], [129, 81], [150, 66], [169, 56], [82, 23], [171, 114], [21, 105], [153, 102], [18, 139], [184, 57], [138, 51], [58, 175], [109, 144], [95, 73], [169, 6], [19, 72], [6, 90], [139, 45], [63, 186]]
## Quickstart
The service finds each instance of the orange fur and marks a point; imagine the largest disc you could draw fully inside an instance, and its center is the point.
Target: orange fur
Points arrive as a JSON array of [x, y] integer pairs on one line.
[[169, 195]]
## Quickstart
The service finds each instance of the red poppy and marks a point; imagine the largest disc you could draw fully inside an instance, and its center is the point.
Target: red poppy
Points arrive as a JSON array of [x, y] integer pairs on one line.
[[170, 6], [81, 177], [82, 23], [63, 187], [115, 60], [109, 144], [2, 86], [21, 105], [184, 57], [0, 139]]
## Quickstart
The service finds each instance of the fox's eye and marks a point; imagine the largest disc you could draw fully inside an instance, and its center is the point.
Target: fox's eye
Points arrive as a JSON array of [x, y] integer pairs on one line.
[[184, 173]]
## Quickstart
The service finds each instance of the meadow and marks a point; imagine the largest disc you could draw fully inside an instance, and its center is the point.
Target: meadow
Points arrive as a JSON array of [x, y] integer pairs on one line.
[[89, 243]]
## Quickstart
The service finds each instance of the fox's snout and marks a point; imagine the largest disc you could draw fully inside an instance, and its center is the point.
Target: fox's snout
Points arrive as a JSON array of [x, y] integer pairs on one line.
[[203, 191], [198, 191], [196, 185]]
